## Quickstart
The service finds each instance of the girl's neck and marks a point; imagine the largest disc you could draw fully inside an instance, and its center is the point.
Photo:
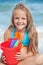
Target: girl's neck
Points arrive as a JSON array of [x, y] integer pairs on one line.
[[21, 31]]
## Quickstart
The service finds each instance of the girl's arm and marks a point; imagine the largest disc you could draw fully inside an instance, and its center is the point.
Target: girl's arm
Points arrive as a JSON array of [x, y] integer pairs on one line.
[[30, 53], [7, 33]]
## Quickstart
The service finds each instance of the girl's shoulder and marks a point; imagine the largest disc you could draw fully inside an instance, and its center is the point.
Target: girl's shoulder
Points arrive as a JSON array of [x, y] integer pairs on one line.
[[7, 33]]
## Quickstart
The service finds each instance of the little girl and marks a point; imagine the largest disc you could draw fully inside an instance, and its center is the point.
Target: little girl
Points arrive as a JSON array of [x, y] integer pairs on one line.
[[22, 22]]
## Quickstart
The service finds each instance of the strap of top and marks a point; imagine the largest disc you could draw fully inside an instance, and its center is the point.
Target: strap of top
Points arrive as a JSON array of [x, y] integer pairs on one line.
[[26, 40], [12, 33]]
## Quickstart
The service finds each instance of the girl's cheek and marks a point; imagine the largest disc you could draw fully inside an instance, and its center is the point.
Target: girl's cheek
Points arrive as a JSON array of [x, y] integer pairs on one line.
[[15, 21]]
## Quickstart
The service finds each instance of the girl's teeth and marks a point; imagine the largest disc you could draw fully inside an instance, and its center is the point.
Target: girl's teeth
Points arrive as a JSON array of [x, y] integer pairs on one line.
[[20, 24]]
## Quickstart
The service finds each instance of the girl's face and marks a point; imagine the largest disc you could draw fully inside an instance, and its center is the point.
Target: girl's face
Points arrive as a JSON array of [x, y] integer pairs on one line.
[[20, 19]]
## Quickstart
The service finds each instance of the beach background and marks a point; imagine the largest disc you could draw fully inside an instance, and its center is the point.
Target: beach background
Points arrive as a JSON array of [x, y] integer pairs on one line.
[[36, 8]]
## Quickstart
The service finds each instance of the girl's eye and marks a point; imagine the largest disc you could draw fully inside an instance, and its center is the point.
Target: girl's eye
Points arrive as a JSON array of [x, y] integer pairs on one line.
[[23, 18], [17, 18]]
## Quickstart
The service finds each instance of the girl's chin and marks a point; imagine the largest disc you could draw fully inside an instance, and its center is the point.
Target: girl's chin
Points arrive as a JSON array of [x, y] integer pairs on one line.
[[20, 29]]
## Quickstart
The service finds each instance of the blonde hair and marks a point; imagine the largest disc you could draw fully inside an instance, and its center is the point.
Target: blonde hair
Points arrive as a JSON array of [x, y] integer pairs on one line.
[[30, 26]]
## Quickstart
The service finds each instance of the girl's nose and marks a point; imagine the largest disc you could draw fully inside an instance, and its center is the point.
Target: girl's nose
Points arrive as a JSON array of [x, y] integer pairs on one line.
[[20, 20]]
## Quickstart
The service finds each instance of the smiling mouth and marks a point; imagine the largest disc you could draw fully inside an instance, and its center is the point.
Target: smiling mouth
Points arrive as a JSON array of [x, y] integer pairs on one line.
[[20, 23]]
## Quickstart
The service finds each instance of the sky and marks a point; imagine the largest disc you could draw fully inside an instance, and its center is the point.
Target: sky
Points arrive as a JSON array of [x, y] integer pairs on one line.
[[21, 0]]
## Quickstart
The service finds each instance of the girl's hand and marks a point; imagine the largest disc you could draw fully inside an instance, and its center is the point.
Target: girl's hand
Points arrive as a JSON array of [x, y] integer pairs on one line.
[[20, 56], [23, 54], [3, 59]]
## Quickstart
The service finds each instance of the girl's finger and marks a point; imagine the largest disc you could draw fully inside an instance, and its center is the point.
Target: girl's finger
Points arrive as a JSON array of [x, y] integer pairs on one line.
[[19, 53], [3, 58], [4, 61], [18, 59], [17, 56]]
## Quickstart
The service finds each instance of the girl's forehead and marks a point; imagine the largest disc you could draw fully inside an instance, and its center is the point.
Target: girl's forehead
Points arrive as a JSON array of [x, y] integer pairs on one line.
[[19, 12]]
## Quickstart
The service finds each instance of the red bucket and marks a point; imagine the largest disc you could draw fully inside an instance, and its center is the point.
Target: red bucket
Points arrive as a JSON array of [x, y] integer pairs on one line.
[[10, 53]]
